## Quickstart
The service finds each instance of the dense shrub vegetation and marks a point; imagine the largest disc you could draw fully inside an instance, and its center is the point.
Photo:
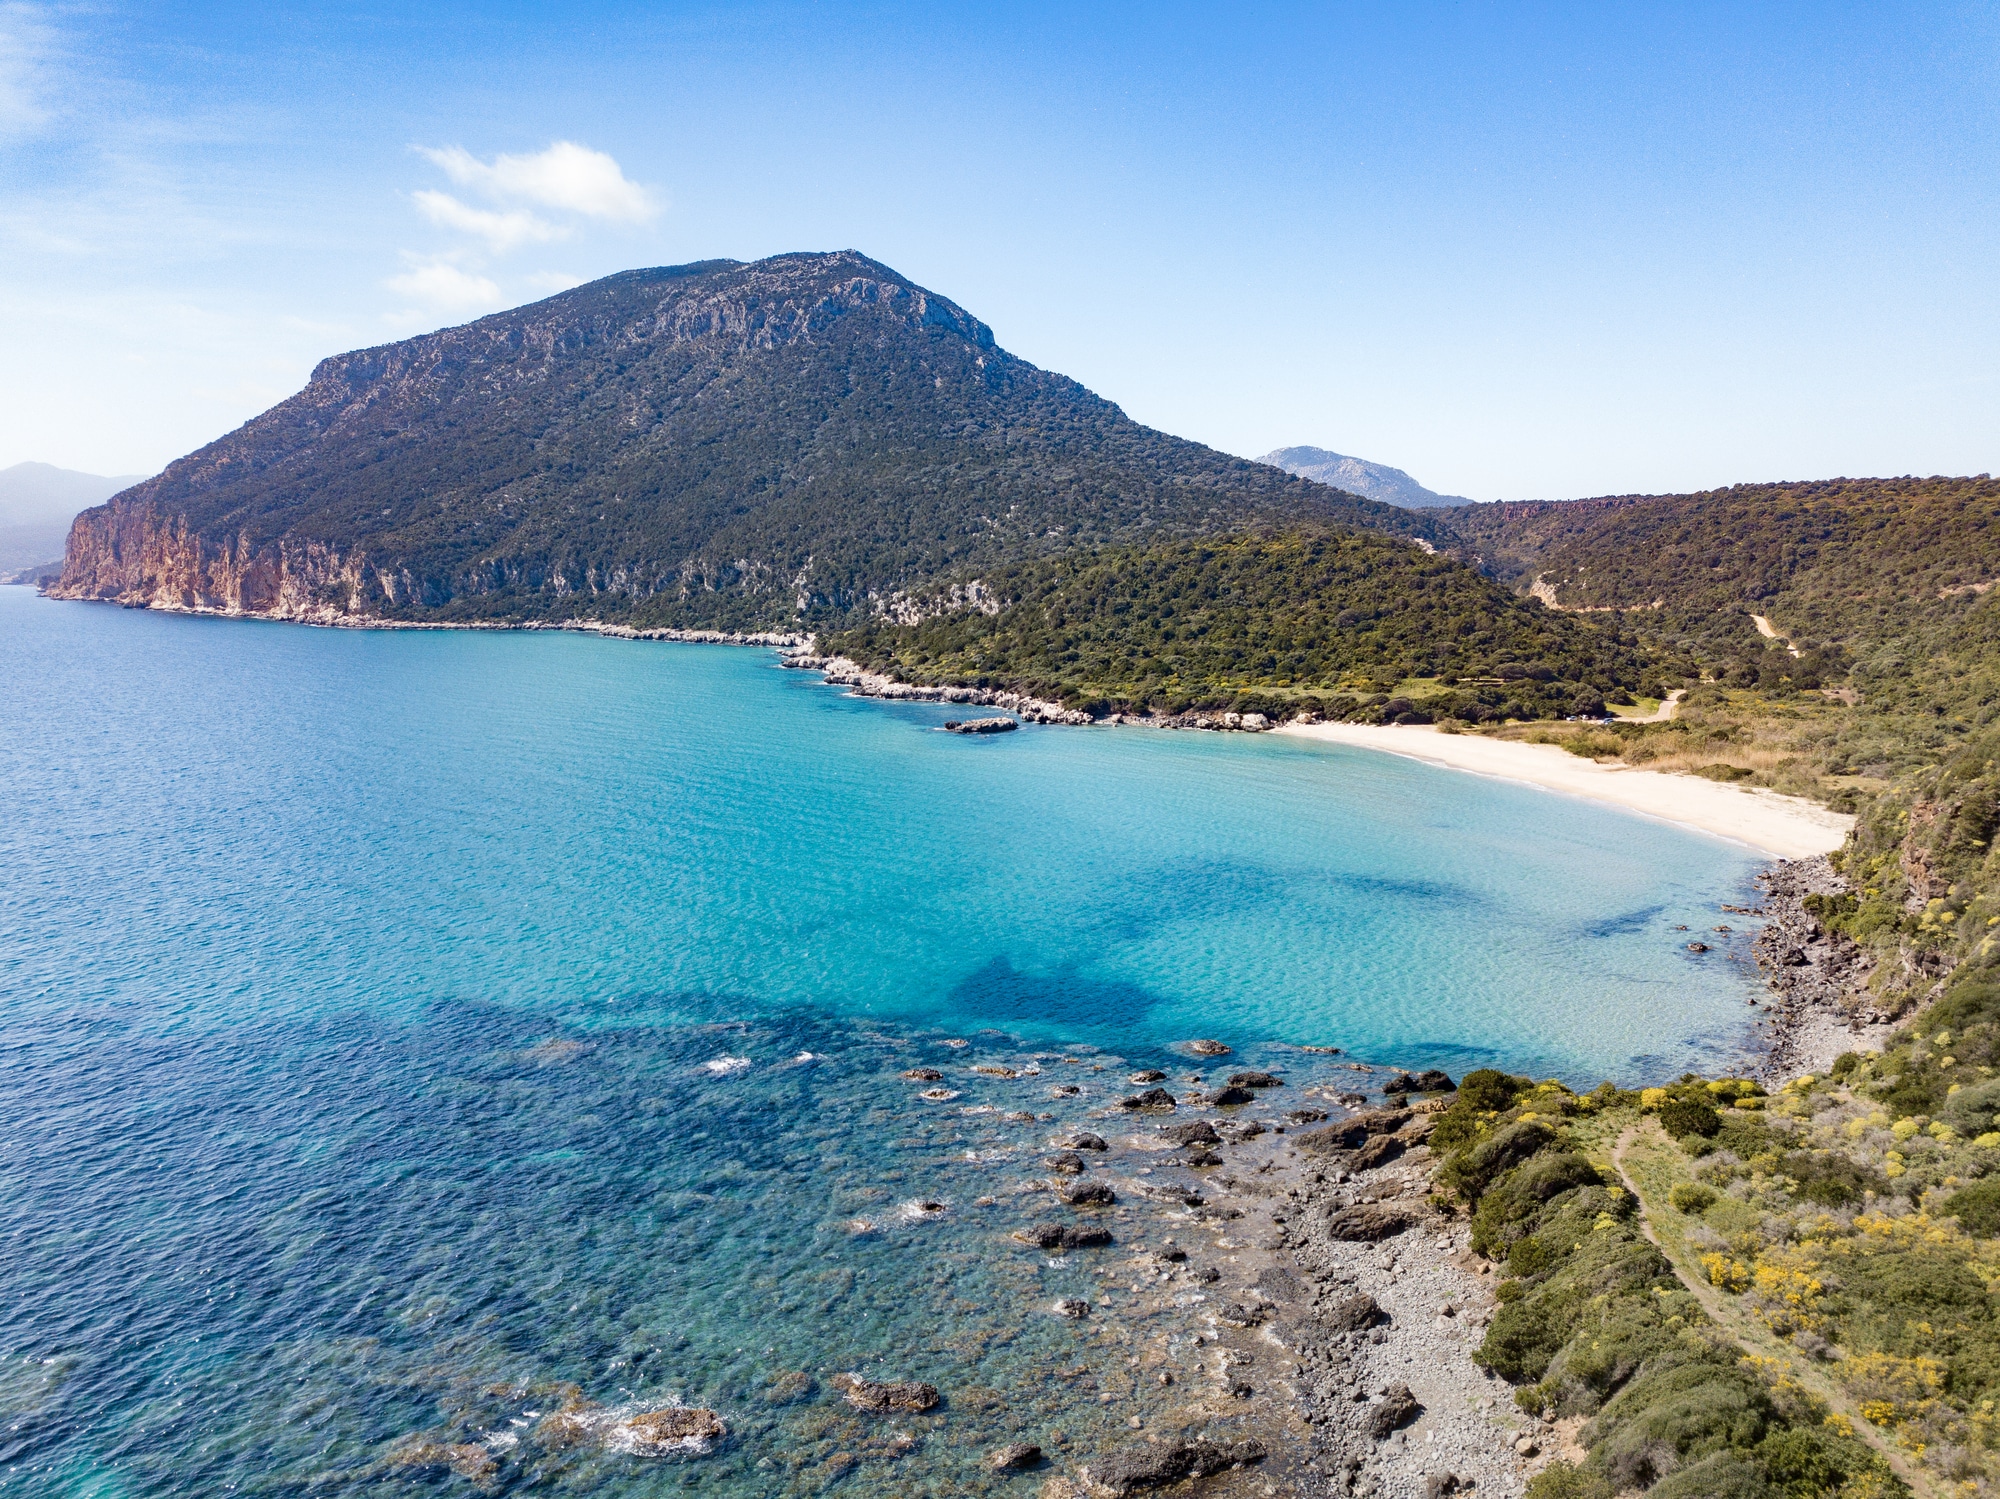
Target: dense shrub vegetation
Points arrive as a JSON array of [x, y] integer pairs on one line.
[[1328, 623]]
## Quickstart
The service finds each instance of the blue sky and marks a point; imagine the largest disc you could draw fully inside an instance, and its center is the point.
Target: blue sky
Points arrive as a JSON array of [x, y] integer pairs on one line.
[[1521, 251]]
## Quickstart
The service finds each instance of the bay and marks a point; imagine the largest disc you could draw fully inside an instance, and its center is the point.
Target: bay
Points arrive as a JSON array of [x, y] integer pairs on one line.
[[403, 1032]]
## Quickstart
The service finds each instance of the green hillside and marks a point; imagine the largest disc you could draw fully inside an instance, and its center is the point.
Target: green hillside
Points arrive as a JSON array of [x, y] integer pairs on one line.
[[1331, 622]]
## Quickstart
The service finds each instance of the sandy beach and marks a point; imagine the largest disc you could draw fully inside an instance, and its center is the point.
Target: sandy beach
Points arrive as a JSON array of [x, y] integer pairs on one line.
[[1787, 827]]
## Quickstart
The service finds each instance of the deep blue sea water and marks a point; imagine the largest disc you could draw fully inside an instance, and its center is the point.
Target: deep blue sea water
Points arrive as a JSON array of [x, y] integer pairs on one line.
[[359, 993]]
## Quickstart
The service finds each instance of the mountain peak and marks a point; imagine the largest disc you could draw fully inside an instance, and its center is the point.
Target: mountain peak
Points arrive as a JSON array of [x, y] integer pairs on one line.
[[1376, 481]]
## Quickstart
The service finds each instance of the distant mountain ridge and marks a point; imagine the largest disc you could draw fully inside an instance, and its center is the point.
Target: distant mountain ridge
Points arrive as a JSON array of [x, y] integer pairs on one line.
[[719, 445], [37, 503], [1375, 481]]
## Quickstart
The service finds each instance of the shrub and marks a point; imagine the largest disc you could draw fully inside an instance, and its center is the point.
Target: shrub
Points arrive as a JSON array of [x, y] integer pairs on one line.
[[1845, 1063], [1977, 1208], [1521, 1192], [1682, 1117], [1671, 1416], [1489, 1091], [1723, 1475], [1815, 1460], [1559, 1480], [1831, 1180], [1691, 1198], [1472, 1171]]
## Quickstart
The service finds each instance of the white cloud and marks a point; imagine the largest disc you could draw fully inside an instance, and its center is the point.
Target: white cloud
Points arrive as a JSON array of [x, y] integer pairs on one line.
[[442, 285], [27, 58], [566, 176], [553, 281], [502, 231]]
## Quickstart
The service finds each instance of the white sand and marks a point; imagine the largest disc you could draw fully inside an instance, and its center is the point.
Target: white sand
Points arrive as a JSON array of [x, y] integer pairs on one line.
[[1788, 827]]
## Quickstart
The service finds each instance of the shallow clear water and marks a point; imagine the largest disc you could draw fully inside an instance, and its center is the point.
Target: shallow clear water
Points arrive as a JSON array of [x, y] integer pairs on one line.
[[357, 991]]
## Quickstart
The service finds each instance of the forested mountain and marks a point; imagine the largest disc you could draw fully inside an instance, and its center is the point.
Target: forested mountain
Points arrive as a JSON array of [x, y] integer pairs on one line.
[[1375, 481], [709, 444], [1831, 557], [1331, 622]]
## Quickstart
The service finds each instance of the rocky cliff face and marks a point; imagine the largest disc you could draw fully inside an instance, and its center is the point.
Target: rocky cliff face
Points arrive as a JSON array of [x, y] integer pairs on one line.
[[716, 445], [135, 555]]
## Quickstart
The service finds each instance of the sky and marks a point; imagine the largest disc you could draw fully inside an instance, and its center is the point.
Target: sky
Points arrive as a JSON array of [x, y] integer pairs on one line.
[[1522, 251]]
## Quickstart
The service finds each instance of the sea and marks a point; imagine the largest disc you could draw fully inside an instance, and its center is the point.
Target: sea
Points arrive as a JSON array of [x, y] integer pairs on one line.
[[407, 1037]]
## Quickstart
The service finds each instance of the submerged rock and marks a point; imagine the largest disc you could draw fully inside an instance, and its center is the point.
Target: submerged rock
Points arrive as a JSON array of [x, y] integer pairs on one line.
[[1063, 1236], [1086, 1194], [1135, 1469], [923, 1075], [1150, 1075], [1206, 1048], [466, 1459], [1071, 1307], [1013, 1456], [891, 1395], [1255, 1080], [675, 1428]]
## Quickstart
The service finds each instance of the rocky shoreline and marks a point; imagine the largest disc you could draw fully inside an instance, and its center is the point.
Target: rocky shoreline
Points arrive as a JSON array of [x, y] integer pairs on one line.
[[1338, 1311], [1822, 1006], [839, 671]]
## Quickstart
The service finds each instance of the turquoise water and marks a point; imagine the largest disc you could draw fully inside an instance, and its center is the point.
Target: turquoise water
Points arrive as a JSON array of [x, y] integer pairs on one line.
[[358, 991]]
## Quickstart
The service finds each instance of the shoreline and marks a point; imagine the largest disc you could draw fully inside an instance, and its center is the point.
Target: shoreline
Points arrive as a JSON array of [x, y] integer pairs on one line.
[[1784, 827]]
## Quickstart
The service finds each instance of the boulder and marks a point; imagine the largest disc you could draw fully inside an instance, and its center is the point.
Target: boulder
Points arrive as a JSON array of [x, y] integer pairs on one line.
[[923, 1075], [1208, 1048], [1069, 1163], [1150, 1075], [1201, 1155], [1062, 1236], [1086, 1194], [883, 1396], [1431, 1081], [1305, 1116], [1255, 1080], [1379, 1151], [1195, 1132], [980, 725], [1352, 1314], [1013, 1457], [1072, 1307], [1085, 1141], [1135, 1469], [1231, 1097], [1439, 1485], [1397, 1408], [1152, 1098], [1369, 1223], [676, 1428]]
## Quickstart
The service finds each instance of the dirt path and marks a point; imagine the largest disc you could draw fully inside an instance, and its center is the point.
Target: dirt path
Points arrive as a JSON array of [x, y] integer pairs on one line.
[[1669, 706], [1770, 632], [1751, 1335]]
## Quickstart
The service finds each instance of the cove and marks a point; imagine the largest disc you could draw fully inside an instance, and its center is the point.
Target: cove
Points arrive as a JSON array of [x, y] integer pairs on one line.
[[405, 1034], [216, 819]]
